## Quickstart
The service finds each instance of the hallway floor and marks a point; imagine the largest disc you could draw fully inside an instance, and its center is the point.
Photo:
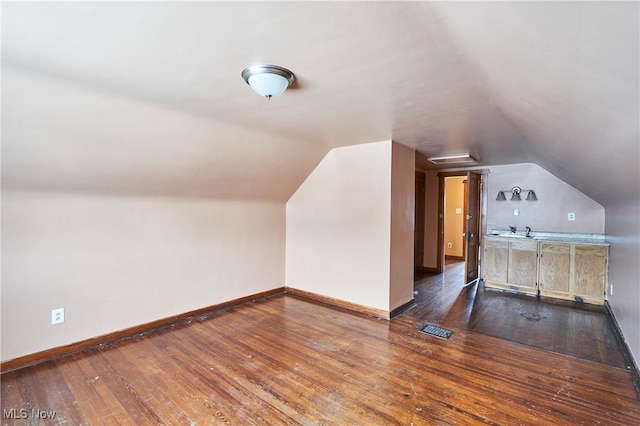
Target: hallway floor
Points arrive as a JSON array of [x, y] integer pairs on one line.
[[579, 330]]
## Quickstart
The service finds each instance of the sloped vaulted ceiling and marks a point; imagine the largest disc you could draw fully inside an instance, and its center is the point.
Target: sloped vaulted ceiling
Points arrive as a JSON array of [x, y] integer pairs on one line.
[[147, 98], [566, 76]]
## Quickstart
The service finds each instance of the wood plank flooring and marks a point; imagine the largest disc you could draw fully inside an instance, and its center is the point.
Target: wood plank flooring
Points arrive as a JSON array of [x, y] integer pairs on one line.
[[288, 361], [570, 328]]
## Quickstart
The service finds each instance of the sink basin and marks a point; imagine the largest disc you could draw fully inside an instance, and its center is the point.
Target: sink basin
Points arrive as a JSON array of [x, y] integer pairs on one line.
[[510, 235]]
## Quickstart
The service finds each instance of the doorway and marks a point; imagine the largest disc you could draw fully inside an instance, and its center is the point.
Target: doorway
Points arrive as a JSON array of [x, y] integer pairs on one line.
[[459, 220], [455, 212], [431, 246]]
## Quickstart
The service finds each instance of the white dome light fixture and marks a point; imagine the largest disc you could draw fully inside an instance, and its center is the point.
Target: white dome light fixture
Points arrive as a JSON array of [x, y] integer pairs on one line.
[[268, 80]]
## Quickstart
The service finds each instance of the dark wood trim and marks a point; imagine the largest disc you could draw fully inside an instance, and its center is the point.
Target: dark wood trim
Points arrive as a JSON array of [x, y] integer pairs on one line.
[[440, 256], [424, 269], [626, 352], [62, 351], [402, 308], [419, 221], [461, 258], [325, 300], [465, 215]]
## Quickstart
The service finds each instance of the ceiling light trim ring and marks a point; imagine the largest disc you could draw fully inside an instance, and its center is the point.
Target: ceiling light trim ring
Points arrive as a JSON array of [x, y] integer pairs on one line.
[[267, 69]]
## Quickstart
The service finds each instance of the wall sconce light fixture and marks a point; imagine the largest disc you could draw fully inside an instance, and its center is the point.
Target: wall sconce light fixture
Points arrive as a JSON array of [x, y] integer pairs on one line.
[[515, 194]]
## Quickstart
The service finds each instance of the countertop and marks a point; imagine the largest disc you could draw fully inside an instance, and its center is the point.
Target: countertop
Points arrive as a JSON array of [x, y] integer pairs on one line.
[[556, 237]]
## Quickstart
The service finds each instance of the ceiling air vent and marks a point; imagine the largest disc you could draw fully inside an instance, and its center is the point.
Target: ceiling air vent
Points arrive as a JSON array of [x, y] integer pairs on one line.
[[452, 159]]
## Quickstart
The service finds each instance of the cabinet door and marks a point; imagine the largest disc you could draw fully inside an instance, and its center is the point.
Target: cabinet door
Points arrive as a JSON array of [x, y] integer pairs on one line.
[[554, 267], [590, 272], [523, 264], [496, 256]]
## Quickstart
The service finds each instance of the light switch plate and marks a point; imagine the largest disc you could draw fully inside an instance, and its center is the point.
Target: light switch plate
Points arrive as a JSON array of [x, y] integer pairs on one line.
[[516, 212]]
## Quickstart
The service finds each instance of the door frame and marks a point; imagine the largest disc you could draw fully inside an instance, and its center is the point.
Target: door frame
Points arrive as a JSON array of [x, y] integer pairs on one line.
[[419, 222], [482, 210]]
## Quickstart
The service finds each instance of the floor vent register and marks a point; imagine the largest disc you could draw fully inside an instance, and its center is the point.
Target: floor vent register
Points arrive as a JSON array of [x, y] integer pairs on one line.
[[434, 330]]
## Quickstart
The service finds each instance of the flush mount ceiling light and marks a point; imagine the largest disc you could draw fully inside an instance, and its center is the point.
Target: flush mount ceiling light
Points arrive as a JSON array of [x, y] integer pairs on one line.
[[268, 80], [452, 159]]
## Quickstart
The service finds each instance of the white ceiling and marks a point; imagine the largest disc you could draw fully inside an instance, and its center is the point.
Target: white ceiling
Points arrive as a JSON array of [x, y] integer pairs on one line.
[[147, 98]]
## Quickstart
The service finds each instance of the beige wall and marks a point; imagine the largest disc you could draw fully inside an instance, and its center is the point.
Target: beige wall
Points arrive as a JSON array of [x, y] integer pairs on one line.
[[454, 216], [403, 179], [623, 231], [549, 213], [339, 227], [117, 262]]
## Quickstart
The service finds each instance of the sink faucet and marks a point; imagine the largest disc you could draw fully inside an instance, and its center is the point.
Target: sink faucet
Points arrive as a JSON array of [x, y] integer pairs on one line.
[[528, 228], [512, 229]]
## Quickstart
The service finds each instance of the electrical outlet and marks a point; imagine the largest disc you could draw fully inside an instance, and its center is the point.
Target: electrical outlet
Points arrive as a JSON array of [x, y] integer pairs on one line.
[[57, 316], [571, 216], [449, 245]]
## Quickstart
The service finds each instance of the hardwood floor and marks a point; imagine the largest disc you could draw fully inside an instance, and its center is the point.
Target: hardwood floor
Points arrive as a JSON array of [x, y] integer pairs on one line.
[[285, 360], [579, 330]]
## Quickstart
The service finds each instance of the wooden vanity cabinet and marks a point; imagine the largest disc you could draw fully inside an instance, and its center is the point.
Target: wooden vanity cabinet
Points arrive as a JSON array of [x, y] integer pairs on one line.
[[511, 265], [573, 271], [554, 269], [523, 266], [496, 261], [555, 261], [589, 273]]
